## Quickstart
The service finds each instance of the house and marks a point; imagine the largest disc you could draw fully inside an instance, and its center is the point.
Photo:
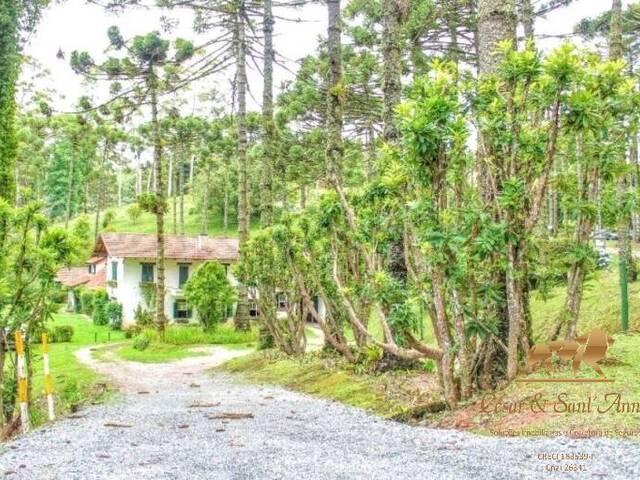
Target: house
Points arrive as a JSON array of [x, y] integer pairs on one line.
[[93, 276], [128, 261]]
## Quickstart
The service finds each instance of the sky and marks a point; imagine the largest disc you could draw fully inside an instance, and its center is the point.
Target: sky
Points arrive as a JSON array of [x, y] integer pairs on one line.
[[76, 25]]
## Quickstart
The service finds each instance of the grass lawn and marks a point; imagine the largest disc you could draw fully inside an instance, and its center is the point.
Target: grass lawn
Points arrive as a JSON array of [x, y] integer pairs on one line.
[[182, 341], [73, 382], [391, 394], [158, 353], [600, 305]]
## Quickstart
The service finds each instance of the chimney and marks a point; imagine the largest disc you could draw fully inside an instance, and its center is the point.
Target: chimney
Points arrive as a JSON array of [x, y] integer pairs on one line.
[[201, 238]]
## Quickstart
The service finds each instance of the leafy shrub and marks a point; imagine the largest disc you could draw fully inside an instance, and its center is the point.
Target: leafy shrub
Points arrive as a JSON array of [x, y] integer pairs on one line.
[[61, 334], [109, 217], [141, 342], [134, 212], [59, 295], [132, 331], [86, 301], [113, 313], [77, 304], [100, 300], [9, 393], [71, 394], [143, 317], [210, 292]]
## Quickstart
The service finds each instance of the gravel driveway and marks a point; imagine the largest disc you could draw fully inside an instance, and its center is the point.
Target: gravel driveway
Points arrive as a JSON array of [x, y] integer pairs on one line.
[[167, 425]]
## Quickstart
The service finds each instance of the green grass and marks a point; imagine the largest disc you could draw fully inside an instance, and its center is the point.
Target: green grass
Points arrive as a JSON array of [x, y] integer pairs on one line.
[[600, 304], [623, 367], [146, 223], [157, 353], [74, 383], [182, 341], [391, 394], [311, 375], [194, 335]]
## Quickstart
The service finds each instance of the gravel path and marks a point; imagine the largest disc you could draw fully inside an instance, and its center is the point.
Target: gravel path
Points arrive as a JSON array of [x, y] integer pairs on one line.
[[172, 432]]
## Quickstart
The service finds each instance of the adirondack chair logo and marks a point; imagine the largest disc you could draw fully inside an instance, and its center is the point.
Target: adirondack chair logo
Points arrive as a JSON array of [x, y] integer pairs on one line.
[[588, 349]]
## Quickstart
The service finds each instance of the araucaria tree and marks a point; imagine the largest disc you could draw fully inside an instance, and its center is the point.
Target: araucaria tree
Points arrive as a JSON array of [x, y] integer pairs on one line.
[[16, 18], [149, 68]]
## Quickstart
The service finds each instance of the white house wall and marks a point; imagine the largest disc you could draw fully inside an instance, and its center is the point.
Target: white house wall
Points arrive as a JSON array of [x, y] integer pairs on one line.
[[129, 294]]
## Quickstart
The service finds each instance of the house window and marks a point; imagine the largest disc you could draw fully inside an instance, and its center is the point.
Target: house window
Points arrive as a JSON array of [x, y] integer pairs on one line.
[[183, 275], [181, 310], [114, 271], [92, 268], [253, 309], [282, 302], [147, 272]]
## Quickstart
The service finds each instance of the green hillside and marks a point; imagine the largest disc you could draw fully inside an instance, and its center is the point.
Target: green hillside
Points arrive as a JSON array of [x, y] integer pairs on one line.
[[146, 223]]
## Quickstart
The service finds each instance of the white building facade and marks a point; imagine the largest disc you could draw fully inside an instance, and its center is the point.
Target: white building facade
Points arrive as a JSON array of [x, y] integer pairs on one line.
[[131, 271]]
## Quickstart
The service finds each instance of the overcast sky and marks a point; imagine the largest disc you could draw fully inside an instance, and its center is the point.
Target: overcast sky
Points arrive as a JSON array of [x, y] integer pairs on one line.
[[75, 25]]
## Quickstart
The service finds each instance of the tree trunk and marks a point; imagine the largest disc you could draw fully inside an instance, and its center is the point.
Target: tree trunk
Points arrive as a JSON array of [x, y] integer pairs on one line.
[[496, 23], [181, 192], [528, 19], [242, 312], [174, 201], [392, 46], [266, 197], [9, 71], [206, 208], [70, 187], [160, 201]]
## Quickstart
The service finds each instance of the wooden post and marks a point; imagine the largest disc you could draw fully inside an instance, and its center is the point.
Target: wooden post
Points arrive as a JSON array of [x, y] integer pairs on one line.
[[48, 382], [22, 383]]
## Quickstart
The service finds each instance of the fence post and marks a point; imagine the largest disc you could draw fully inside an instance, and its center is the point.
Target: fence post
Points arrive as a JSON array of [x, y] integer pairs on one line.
[[48, 382], [22, 383]]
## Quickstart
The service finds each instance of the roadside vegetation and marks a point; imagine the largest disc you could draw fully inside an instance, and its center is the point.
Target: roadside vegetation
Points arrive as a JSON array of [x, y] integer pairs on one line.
[[75, 384]]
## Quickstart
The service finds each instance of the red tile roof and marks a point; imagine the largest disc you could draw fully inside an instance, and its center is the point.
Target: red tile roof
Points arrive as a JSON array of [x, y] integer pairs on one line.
[[99, 280], [75, 276], [177, 247], [72, 277]]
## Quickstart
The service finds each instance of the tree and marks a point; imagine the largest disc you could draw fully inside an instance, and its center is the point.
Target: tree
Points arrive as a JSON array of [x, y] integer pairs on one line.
[[134, 212], [147, 57], [242, 312], [16, 18], [31, 252], [209, 291]]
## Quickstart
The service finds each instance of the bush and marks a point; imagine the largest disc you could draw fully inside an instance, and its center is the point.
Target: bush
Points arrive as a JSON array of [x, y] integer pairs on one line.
[[59, 295], [143, 317], [141, 342], [210, 292], [86, 301], [113, 314], [61, 334], [131, 332], [109, 217], [100, 300], [71, 393], [134, 211]]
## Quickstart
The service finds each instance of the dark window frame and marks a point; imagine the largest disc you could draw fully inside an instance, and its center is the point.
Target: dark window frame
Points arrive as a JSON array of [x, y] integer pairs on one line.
[[181, 280], [144, 278], [184, 314]]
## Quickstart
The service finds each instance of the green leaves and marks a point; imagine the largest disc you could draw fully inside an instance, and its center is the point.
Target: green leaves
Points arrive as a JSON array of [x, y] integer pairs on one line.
[[209, 291], [150, 49]]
